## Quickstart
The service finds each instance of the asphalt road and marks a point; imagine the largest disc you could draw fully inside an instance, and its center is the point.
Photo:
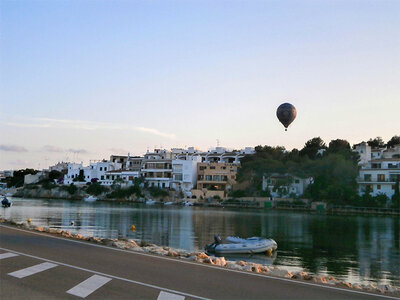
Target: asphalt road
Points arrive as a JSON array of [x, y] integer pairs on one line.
[[40, 266]]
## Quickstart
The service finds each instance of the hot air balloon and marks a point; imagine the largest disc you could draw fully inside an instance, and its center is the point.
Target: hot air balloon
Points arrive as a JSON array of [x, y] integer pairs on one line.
[[286, 114]]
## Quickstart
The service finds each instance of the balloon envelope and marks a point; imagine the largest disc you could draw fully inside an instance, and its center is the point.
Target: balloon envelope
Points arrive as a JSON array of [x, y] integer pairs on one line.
[[286, 114]]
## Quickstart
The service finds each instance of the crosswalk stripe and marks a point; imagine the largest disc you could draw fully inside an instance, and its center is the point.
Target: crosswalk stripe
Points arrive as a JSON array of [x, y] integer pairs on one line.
[[7, 255], [32, 270], [169, 296], [88, 286]]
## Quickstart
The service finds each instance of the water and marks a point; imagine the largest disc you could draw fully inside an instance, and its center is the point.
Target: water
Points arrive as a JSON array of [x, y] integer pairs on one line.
[[358, 249]]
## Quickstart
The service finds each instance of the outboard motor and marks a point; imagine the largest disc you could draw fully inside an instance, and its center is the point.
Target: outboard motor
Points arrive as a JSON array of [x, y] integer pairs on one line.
[[5, 202], [217, 239]]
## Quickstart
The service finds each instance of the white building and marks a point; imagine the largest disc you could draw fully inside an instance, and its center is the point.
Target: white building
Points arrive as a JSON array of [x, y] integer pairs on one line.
[[380, 169], [283, 185], [184, 174], [379, 176], [127, 177], [96, 170], [157, 168]]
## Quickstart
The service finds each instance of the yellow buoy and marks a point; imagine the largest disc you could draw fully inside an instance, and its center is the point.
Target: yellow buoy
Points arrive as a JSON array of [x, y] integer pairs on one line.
[[133, 227], [29, 220]]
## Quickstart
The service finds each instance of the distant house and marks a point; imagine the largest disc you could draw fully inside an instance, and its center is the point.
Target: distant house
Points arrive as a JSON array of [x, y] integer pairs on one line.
[[285, 185], [380, 169]]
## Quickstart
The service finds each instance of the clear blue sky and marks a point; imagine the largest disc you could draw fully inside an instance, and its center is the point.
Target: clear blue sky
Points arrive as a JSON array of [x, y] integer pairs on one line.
[[84, 79]]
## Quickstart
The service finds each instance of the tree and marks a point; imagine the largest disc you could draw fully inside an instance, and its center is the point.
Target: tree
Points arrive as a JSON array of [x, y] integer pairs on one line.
[[17, 179], [54, 174], [338, 145], [376, 142], [312, 146], [395, 140]]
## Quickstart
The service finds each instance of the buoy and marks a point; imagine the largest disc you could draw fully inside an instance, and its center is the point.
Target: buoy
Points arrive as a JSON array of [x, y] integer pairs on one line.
[[29, 220], [268, 252], [133, 227], [72, 222]]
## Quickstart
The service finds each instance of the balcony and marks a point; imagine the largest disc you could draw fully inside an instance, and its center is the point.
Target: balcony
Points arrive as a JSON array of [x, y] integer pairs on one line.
[[376, 181]]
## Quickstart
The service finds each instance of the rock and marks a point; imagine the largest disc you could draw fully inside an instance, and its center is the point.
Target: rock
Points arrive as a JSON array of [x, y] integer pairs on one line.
[[319, 279], [241, 263], [137, 249], [172, 253], [344, 284], [202, 255], [220, 261], [66, 234], [208, 260], [233, 265], [107, 242], [38, 228], [280, 273], [264, 269]]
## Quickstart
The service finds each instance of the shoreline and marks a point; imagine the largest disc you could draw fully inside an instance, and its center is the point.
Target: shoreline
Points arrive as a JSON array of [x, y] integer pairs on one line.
[[202, 258], [348, 211]]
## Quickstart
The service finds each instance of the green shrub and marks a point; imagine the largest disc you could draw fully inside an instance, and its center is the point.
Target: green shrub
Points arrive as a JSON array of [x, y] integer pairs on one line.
[[96, 189]]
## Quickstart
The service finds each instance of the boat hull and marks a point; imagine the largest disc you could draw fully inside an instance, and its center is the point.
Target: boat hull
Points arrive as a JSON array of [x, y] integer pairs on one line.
[[260, 246]]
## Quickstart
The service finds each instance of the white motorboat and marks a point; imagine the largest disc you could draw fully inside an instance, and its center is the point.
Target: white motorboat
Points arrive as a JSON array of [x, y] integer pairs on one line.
[[187, 203], [150, 202], [236, 245], [90, 198], [168, 203]]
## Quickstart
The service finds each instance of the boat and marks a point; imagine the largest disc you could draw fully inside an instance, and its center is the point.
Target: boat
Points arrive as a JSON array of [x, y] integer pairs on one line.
[[150, 202], [187, 203], [5, 202], [236, 245], [168, 203], [90, 199]]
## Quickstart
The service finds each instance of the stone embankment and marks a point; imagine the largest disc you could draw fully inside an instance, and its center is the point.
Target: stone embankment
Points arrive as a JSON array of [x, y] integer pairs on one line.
[[201, 257]]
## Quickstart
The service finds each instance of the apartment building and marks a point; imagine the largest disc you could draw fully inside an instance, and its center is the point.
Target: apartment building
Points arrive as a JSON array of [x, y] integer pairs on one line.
[[379, 176], [215, 179], [157, 168], [184, 174]]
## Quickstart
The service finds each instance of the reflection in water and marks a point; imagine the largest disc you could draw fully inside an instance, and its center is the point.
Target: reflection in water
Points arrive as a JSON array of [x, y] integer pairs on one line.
[[353, 248]]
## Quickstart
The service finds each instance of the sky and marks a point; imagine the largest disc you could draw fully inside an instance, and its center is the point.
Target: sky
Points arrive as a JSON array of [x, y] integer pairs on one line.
[[82, 80]]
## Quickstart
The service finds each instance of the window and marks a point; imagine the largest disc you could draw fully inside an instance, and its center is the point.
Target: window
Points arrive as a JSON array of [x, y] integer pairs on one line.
[[393, 187], [101, 168], [178, 177], [208, 177], [367, 177], [297, 181], [223, 168], [216, 178], [212, 168], [202, 168], [200, 177], [105, 168], [378, 186], [381, 177], [108, 176], [101, 177]]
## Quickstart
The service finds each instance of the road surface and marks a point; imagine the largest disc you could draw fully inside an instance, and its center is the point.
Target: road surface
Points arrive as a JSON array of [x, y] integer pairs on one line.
[[40, 266]]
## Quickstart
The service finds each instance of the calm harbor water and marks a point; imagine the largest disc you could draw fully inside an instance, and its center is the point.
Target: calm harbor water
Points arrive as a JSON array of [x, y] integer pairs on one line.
[[359, 249]]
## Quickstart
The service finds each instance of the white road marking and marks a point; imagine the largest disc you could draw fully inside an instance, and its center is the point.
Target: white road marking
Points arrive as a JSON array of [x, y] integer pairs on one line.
[[7, 255], [169, 296], [32, 270], [299, 282], [85, 288], [109, 275]]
